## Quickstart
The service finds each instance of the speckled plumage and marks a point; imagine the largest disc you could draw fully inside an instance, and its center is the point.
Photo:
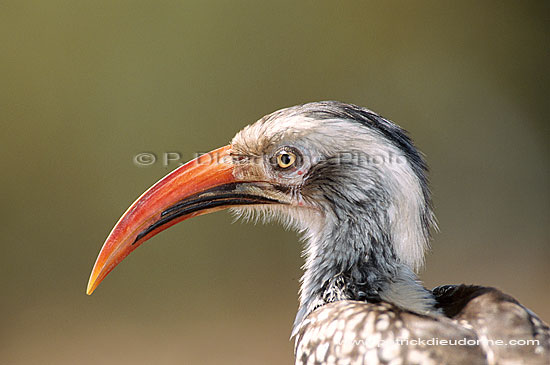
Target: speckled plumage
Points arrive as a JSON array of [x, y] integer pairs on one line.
[[352, 332]]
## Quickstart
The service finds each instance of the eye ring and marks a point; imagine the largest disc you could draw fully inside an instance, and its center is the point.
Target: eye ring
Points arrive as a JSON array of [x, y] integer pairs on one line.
[[286, 159]]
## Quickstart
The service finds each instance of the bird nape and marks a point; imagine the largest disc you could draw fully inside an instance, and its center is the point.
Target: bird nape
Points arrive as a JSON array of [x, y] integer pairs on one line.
[[354, 185]]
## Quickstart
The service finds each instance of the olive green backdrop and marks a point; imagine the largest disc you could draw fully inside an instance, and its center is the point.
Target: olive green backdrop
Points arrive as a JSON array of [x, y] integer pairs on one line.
[[86, 86]]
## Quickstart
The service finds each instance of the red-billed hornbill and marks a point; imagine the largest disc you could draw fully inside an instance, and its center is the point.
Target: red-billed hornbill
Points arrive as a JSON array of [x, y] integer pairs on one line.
[[356, 187]]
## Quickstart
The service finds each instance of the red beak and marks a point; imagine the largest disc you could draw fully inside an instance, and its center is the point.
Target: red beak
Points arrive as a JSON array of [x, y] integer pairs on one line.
[[203, 185]]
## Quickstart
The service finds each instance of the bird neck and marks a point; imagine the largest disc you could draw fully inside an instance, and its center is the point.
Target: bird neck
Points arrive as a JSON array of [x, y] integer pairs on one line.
[[352, 260]]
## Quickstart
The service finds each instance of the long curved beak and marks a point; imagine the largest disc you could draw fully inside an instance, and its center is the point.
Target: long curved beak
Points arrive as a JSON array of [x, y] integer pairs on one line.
[[203, 185]]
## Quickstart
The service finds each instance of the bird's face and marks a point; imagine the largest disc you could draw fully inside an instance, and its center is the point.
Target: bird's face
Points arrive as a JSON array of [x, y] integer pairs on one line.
[[264, 171], [288, 164], [278, 156]]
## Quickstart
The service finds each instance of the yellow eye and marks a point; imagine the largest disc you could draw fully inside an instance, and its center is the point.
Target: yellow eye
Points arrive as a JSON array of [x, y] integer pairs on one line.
[[286, 159]]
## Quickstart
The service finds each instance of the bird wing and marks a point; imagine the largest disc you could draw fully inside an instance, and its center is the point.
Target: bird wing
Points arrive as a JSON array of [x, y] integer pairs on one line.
[[353, 332], [509, 332]]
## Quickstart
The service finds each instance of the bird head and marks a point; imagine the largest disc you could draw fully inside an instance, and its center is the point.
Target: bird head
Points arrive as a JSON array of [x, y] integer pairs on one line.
[[347, 178]]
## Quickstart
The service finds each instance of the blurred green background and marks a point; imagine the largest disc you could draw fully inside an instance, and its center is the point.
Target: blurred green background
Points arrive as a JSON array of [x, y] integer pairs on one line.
[[85, 86]]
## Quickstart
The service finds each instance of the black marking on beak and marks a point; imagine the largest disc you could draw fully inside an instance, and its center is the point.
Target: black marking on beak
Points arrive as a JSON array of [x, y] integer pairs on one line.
[[221, 196]]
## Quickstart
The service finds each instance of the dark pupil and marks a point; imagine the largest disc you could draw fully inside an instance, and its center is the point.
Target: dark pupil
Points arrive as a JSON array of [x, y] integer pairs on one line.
[[285, 159]]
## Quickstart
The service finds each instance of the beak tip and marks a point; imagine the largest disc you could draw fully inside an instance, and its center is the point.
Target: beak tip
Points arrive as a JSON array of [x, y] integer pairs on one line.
[[144, 218], [92, 285]]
